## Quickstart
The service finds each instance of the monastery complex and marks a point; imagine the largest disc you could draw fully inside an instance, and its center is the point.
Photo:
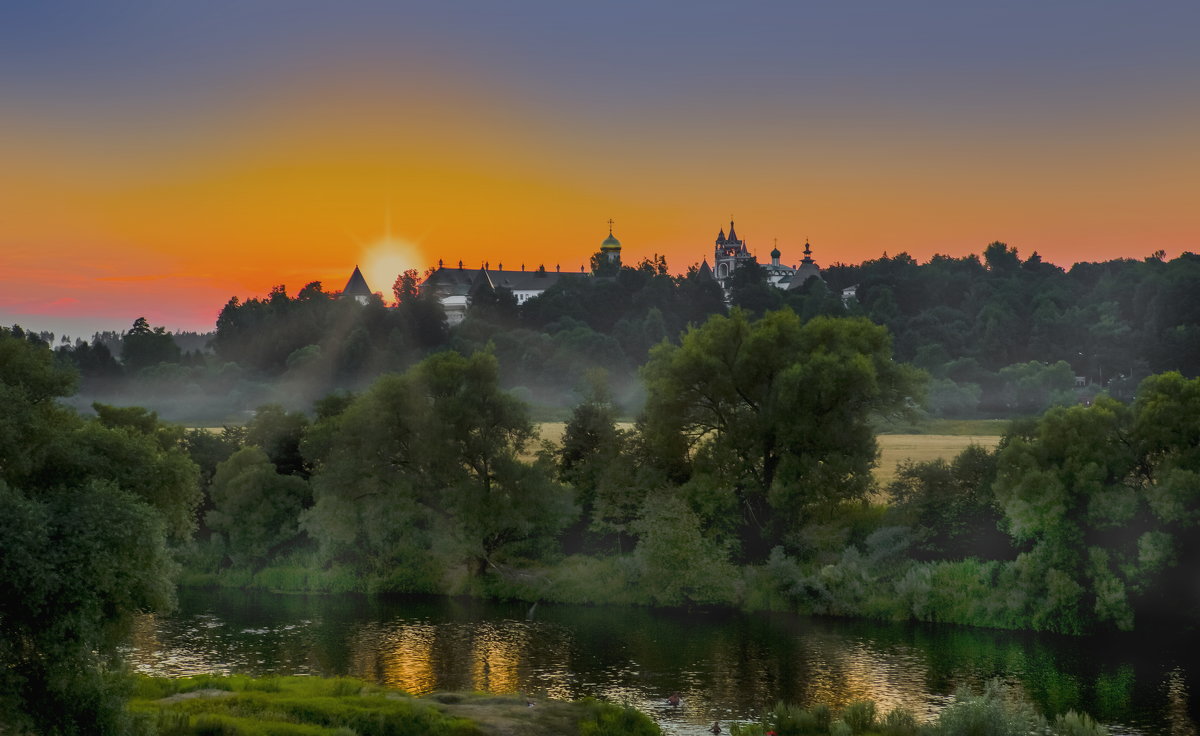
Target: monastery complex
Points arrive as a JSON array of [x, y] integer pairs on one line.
[[455, 284]]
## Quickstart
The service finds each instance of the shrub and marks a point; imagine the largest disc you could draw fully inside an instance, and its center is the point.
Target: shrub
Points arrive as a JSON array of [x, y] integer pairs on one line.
[[859, 716], [608, 719], [899, 722], [989, 714], [840, 728], [1077, 724], [792, 720], [822, 716]]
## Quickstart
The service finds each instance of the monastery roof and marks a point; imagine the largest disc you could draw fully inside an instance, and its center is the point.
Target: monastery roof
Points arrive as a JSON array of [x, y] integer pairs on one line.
[[357, 285], [808, 269], [804, 273], [462, 281]]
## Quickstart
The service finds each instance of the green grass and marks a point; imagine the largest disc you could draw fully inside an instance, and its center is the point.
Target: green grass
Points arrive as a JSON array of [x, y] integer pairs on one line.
[[312, 706], [283, 578]]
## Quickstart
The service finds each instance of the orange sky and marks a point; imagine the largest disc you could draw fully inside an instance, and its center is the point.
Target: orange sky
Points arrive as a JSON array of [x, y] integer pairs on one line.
[[140, 199]]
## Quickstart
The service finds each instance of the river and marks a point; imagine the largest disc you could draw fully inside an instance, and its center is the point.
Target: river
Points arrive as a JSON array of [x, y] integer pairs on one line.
[[726, 665]]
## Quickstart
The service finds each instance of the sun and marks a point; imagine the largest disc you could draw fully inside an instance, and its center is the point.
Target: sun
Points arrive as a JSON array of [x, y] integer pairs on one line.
[[385, 259]]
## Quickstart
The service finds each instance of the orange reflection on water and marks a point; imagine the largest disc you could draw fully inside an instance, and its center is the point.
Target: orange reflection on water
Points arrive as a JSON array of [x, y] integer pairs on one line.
[[401, 657], [495, 659], [839, 674], [1177, 705], [145, 648]]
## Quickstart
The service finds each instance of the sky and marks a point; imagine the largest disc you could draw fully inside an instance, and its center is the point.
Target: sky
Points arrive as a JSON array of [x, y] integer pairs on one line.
[[158, 158]]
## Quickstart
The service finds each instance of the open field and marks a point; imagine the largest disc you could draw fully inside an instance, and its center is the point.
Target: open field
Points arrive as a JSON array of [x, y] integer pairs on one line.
[[896, 448], [553, 431], [893, 448]]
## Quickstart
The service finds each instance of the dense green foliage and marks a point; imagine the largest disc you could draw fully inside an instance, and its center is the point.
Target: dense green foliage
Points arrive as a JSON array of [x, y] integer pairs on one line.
[[744, 482], [424, 469], [255, 506], [317, 333], [87, 507], [1000, 336], [966, 319], [425, 482], [950, 506], [1100, 504], [769, 421], [145, 347]]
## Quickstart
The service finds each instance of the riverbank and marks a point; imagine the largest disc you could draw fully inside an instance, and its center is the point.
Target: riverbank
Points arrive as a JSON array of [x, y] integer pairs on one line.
[[308, 706], [313, 706]]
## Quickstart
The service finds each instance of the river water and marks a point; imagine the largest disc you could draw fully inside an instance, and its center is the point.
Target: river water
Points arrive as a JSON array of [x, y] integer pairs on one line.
[[726, 665]]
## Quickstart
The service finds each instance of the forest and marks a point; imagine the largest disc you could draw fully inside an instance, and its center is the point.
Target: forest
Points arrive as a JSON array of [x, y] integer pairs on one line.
[[406, 457], [999, 336]]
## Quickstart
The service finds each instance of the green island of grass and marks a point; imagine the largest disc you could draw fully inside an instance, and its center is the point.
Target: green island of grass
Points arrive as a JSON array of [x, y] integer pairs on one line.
[[211, 705]]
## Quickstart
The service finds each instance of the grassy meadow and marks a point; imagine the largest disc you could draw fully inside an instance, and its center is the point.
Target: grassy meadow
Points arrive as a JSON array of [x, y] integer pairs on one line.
[[313, 706]]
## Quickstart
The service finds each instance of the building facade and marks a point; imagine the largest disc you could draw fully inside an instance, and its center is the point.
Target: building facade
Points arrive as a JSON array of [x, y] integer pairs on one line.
[[731, 253]]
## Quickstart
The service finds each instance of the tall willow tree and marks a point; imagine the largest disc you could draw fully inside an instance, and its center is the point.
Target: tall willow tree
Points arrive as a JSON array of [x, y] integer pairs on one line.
[[1106, 501], [1070, 495], [423, 475], [772, 416]]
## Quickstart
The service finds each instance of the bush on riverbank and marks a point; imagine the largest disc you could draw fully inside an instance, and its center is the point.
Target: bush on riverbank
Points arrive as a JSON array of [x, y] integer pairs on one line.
[[287, 578], [311, 706]]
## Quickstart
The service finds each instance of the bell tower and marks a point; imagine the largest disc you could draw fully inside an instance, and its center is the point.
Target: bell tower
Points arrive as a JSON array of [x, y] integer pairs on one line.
[[729, 253]]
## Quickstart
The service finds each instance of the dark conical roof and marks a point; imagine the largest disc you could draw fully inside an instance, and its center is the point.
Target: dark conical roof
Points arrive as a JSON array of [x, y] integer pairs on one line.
[[732, 234], [357, 285], [706, 270], [808, 269], [721, 236]]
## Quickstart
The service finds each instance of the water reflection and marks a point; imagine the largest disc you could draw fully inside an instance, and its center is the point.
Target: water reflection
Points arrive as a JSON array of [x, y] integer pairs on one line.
[[1178, 718], [727, 666]]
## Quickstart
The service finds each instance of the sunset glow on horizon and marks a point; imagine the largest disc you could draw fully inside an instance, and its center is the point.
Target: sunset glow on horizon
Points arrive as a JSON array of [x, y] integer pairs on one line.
[[162, 159]]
